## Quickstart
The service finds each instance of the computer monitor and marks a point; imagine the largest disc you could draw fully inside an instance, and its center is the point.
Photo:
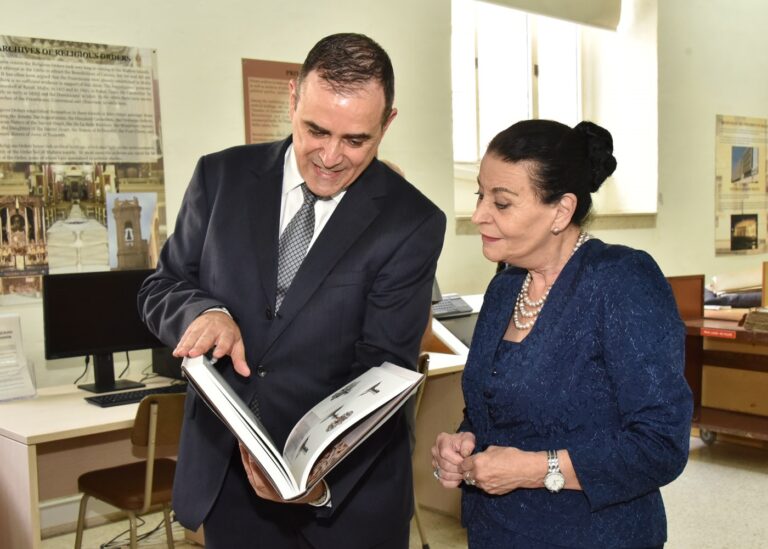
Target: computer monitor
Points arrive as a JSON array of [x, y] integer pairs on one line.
[[95, 314], [463, 327], [165, 364]]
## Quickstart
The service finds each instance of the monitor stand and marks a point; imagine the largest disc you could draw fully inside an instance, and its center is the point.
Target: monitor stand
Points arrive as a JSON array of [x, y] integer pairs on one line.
[[104, 377]]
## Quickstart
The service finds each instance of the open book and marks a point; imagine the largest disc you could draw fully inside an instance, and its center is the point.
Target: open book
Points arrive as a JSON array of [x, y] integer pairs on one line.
[[324, 436]]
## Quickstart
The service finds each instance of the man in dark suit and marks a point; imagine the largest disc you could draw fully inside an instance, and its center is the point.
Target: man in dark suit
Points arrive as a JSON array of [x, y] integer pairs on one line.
[[360, 297]]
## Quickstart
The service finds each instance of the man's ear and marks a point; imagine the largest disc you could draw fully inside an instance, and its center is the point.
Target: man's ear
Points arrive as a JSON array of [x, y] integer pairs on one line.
[[388, 121], [564, 210]]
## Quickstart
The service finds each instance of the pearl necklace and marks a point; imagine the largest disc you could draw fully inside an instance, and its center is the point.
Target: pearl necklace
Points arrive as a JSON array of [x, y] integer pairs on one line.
[[528, 309]]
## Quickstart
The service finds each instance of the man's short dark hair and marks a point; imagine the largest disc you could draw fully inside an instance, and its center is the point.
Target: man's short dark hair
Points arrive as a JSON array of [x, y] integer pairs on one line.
[[347, 61]]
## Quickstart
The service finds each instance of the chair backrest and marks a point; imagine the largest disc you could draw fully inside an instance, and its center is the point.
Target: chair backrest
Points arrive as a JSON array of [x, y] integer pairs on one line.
[[422, 366], [156, 432], [689, 295], [168, 411]]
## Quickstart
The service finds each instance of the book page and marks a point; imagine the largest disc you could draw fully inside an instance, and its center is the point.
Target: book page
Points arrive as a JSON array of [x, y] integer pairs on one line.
[[230, 408], [334, 453], [338, 412]]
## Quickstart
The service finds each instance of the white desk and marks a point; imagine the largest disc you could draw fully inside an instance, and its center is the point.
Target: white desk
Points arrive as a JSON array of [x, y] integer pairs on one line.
[[45, 443], [48, 441], [447, 338]]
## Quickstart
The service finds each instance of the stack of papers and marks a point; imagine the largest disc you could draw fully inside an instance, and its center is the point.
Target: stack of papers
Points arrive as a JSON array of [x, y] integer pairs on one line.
[[757, 320]]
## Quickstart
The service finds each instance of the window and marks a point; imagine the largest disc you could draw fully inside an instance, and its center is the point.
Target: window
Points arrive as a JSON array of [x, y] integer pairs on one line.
[[507, 65]]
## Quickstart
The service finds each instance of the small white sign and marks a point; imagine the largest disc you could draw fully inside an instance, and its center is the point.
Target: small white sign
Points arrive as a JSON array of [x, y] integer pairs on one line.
[[15, 377]]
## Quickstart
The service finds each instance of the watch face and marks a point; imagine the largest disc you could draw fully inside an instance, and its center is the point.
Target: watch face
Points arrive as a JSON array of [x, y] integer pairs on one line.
[[554, 482]]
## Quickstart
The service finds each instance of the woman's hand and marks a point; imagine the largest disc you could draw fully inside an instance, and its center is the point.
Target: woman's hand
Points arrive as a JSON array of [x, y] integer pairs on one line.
[[500, 470], [448, 454]]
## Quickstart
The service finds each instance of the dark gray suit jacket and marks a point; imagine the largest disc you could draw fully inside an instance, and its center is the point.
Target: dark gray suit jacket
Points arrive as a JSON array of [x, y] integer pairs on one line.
[[361, 297]]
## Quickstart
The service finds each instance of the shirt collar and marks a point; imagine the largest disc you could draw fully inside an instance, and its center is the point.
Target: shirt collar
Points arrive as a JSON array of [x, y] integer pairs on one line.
[[291, 176]]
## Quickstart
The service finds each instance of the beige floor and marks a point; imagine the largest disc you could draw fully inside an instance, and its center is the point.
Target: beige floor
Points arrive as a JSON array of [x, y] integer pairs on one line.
[[443, 533], [719, 502]]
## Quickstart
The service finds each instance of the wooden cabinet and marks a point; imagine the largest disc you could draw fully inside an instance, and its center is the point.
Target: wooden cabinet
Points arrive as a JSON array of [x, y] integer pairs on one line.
[[726, 367]]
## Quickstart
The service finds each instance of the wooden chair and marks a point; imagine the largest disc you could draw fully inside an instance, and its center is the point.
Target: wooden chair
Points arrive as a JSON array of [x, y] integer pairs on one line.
[[136, 487], [423, 368]]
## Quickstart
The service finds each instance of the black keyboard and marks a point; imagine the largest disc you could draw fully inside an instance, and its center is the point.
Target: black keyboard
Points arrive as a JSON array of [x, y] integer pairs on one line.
[[129, 397], [451, 306]]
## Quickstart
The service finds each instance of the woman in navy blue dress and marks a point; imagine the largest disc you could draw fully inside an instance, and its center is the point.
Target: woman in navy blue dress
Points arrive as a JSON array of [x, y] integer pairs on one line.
[[577, 410]]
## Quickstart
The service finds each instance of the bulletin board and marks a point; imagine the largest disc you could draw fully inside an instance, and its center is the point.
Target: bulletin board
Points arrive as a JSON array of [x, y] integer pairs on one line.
[[267, 99], [741, 196], [81, 161]]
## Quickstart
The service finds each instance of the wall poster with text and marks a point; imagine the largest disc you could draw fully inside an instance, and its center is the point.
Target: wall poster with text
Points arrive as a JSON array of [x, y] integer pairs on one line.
[[741, 191], [267, 99], [78, 122]]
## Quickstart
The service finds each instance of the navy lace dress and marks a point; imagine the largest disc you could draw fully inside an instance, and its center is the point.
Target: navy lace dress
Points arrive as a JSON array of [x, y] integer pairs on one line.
[[601, 375]]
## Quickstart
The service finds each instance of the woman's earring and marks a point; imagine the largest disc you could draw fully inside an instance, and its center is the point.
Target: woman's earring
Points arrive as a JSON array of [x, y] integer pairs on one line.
[[555, 231]]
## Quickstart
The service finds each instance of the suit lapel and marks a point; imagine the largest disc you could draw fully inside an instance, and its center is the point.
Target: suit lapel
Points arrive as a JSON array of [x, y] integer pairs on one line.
[[352, 216], [266, 219]]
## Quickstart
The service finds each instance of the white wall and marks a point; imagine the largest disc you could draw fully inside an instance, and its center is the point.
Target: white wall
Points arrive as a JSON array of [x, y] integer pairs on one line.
[[200, 45], [711, 62]]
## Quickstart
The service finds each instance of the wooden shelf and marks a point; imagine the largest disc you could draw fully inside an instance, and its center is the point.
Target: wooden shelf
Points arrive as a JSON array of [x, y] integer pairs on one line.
[[724, 329], [732, 423], [731, 352]]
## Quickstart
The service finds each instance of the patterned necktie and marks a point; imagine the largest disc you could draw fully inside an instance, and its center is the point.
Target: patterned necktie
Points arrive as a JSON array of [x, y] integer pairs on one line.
[[294, 243]]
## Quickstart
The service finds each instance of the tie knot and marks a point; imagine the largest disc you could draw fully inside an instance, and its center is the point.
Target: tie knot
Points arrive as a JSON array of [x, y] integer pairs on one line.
[[309, 197]]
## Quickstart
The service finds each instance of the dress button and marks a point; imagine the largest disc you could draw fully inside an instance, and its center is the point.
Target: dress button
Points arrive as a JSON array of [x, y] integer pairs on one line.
[[269, 314], [494, 372], [488, 394], [261, 371]]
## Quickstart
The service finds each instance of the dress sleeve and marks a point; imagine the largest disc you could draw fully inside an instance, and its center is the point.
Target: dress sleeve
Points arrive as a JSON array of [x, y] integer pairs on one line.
[[643, 342]]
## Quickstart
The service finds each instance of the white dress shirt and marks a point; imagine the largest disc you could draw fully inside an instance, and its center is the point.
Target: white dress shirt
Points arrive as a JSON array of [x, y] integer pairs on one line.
[[292, 198]]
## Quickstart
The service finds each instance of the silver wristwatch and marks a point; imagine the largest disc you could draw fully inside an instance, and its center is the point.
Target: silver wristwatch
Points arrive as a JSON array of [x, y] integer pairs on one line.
[[554, 480]]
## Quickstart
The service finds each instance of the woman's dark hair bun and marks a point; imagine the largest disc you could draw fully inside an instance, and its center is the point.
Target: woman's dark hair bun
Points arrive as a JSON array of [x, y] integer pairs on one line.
[[599, 145]]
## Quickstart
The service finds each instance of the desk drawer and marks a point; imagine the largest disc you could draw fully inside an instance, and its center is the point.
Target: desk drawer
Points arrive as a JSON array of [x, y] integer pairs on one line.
[[735, 390]]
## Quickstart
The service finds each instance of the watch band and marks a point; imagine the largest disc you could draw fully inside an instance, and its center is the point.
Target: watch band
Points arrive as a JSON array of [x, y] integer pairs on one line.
[[554, 481], [553, 464]]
